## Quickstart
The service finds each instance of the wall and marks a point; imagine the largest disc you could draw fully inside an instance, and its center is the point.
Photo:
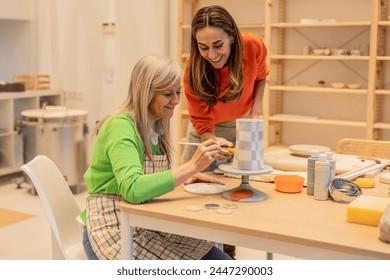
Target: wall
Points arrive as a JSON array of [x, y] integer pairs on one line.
[[73, 48], [15, 48], [15, 9]]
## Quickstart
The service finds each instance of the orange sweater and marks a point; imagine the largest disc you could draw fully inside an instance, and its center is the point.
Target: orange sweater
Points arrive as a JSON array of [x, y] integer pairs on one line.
[[255, 68]]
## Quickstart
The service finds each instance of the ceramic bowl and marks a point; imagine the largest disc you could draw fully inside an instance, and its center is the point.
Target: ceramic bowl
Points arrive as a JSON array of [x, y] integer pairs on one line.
[[309, 20], [319, 51], [353, 85], [337, 85], [289, 183]]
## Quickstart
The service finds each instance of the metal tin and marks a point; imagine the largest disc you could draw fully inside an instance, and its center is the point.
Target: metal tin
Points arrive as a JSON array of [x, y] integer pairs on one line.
[[211, 206], [343, 190]]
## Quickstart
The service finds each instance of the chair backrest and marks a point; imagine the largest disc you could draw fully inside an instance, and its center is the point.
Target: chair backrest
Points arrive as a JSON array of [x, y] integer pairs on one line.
[[364, 147], [59, 204]]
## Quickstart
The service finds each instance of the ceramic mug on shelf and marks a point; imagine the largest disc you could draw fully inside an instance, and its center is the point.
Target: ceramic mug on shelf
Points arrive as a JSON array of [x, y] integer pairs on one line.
[[339, 52], [306, 50]]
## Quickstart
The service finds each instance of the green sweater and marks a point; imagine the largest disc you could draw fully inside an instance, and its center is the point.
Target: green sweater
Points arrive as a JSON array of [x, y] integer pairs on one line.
[[118, 160]]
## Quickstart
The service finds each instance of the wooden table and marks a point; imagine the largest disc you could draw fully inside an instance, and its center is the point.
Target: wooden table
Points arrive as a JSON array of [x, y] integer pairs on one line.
[[290, 224]]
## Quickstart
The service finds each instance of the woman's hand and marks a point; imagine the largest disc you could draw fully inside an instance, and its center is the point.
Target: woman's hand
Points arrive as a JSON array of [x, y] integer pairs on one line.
[[203, 178], [205, 154], [223, 142], [224, 154]]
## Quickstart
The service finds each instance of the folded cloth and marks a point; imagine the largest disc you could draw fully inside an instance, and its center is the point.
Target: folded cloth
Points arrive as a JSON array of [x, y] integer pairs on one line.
[[11, 87]]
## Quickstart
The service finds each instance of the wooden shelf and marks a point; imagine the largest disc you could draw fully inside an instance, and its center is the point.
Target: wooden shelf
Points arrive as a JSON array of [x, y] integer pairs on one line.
[[321, 24], [251, 26], [383, 23], [383, 91], [317, 89], [30, 93], [383, 57], [241, 26], [382, 125], [319, 57], [318, 121]]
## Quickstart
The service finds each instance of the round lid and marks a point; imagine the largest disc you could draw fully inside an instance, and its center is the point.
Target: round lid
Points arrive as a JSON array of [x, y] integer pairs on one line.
[[305, 150], [48, 115]]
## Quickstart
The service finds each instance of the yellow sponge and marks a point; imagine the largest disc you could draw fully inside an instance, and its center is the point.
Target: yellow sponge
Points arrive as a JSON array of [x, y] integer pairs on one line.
[[366, 183], [367, 210]]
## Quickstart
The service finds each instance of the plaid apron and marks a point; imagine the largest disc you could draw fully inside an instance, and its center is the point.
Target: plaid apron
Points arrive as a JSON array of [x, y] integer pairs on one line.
[[103, 225]]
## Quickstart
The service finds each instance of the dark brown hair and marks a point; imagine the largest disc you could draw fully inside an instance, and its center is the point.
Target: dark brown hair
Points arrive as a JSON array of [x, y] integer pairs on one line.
[[200, 74]]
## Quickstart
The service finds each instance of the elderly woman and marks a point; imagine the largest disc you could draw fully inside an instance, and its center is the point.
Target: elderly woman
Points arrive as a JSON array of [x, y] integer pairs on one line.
[[131, 161]]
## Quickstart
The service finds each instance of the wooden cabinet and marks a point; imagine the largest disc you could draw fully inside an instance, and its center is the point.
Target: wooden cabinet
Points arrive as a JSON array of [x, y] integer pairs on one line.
[[11, 105]]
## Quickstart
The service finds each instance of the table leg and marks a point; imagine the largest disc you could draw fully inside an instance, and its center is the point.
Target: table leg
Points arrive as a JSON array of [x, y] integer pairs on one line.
[[126, 238]]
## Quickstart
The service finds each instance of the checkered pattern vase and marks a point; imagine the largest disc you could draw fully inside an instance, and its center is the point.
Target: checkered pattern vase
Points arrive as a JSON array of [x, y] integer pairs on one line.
[[249, 151]]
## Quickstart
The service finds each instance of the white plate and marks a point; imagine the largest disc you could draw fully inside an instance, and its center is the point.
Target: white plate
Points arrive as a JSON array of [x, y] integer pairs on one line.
[[205, 188], [305, 150]]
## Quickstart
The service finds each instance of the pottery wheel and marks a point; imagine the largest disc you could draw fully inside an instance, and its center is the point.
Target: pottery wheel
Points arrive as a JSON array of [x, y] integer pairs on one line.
[[257, 195]]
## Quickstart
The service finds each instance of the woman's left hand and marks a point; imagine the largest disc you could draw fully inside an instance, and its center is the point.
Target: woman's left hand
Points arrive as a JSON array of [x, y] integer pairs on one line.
[[222, 142], [203, 178], [223, 154]]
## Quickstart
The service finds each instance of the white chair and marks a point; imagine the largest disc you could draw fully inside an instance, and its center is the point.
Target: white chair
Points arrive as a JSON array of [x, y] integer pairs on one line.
[[60, 207]]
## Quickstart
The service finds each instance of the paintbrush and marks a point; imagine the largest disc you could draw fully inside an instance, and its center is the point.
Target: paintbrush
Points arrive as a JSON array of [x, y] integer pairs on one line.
[[230, 149], [189, 143]]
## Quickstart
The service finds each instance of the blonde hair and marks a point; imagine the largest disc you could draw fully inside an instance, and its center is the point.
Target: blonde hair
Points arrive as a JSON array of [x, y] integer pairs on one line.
[[150, 74]]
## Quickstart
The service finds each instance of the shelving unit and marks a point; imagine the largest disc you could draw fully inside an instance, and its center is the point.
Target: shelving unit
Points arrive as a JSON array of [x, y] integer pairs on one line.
[[16, 53], [369, 121], [11, 105]]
